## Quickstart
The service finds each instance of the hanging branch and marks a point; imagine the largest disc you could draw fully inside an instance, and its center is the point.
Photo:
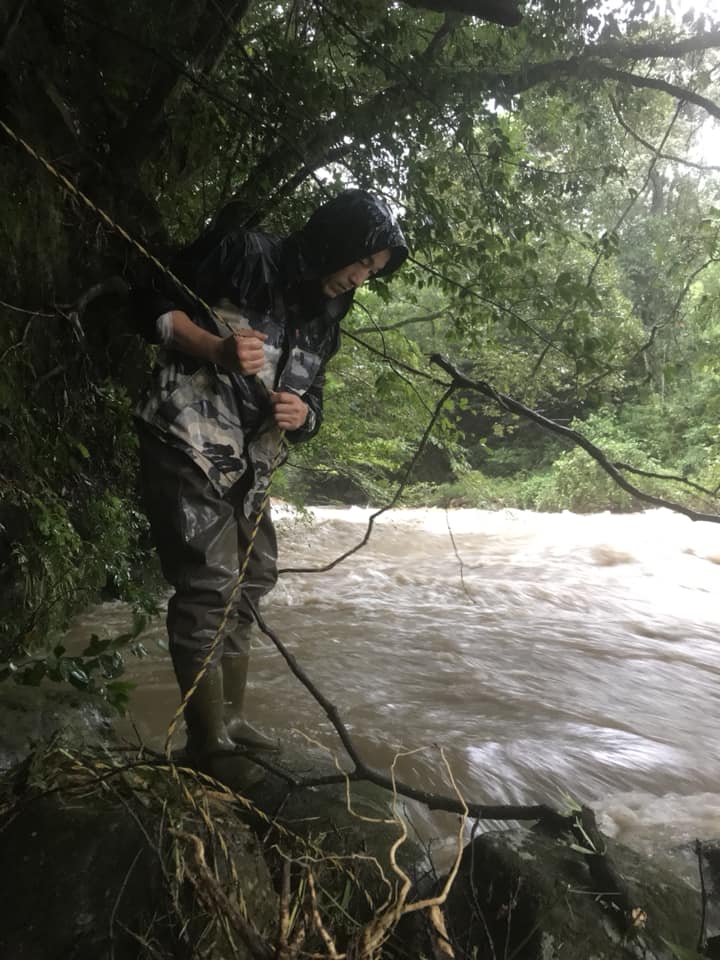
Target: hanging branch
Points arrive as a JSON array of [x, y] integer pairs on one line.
[[552, 426], [396, 496], [362, 771], [580, 822], [705, 168], [11, 26], [657, 83], [461, 562], [512, 406], [657, 152], [394, 362], [666, 476], [425, 318]]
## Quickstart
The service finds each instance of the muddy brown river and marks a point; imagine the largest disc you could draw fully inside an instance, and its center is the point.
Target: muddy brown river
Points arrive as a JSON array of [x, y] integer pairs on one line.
[[549, 654]]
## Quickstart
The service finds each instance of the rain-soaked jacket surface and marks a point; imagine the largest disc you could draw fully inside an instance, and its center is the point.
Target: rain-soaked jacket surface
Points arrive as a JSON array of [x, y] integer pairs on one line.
[[223, 421]]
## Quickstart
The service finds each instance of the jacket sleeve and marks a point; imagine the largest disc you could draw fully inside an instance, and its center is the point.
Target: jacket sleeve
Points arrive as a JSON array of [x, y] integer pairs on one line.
[[313, 397], [206, 267]]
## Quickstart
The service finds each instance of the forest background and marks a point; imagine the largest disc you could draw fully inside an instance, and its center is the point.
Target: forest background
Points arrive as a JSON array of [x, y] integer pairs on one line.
[[553, 173]]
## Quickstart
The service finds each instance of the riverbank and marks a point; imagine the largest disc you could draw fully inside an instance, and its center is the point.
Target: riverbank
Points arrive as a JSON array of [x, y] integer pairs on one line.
[[129, 857], [548, 654]]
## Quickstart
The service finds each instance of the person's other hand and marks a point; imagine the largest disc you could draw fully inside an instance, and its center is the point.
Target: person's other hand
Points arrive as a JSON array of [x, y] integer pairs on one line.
[[242, 352], [290, 410]]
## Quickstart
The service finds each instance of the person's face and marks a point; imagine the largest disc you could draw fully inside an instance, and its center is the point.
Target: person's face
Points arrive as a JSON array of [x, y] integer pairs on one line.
[[354, 275]]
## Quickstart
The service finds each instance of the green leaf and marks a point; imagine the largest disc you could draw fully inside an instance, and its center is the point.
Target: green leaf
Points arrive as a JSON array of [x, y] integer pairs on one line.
[[31, 676], [117, 693], [78, 678]]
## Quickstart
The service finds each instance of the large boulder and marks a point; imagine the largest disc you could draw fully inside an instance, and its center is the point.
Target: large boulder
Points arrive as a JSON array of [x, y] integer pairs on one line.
[[123, 856], [529, 895], [104, 863], [30, 715]]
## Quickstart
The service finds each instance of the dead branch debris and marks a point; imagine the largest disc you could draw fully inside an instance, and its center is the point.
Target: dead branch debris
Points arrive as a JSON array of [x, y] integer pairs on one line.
[[582, 827]]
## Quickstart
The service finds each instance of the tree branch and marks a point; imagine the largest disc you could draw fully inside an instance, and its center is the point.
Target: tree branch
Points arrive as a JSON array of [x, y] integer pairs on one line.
[[618, 223], [657, 83], [666, 476], [504, 12], [327, 137], [657, 49], [11, 26], [203, 46], [364, 772], [648, 146], [426, 318], [396, 496], [514, 406]]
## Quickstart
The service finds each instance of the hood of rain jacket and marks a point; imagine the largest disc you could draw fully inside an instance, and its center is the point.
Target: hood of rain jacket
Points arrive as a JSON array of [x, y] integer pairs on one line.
[[353, 225]]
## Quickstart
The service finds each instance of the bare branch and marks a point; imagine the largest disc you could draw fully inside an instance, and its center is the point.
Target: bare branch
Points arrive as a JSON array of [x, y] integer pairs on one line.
[[504, 12], [394, 361], [426, 318], [364, 772], [31, 313], [514, 406], [461, 562], [396, 496], [648, 146], [666, 476], [655, 49], [657, 83], [479, 296], [618, 223], [646, 182], [11, 26]]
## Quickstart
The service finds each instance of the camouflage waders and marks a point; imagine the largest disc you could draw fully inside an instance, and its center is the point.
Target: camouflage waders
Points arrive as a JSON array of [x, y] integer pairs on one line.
[[201, 538]]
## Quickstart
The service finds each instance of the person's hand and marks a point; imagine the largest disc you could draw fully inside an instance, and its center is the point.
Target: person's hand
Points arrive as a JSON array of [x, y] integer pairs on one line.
[[242, 352], [290, 410]]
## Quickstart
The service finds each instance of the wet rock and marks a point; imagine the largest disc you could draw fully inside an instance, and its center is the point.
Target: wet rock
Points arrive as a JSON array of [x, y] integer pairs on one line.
[[355, 837], [94, 873], [526, 895], [31, 715]]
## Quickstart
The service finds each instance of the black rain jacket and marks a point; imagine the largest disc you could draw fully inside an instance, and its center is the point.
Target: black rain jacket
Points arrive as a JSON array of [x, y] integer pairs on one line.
[[273, 284]]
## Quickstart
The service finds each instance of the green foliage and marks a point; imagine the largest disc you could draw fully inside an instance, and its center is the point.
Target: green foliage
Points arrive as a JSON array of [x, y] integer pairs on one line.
[[576, 482], [96, 670], [63, 568], [70, 524]]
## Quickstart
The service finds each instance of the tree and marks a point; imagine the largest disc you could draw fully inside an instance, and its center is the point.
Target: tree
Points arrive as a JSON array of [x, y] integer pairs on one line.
[[524, 160]]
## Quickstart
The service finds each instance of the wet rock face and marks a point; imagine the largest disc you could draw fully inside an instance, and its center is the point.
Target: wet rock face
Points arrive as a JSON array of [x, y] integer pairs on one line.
[[526, 895], [29, 715], [84, 879], [711, 875]]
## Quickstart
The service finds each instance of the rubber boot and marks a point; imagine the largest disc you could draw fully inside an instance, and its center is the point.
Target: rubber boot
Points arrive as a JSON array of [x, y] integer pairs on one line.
[[209, 746], [206, 730], [235, 672]]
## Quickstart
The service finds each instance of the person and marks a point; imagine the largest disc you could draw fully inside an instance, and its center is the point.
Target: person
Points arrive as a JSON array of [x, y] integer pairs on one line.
[[228, 387]]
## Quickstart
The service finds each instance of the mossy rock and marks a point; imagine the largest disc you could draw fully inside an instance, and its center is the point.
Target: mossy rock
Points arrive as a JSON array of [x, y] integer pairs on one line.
[[524, 894], [103, 862], [349, 845], [30, 715]]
